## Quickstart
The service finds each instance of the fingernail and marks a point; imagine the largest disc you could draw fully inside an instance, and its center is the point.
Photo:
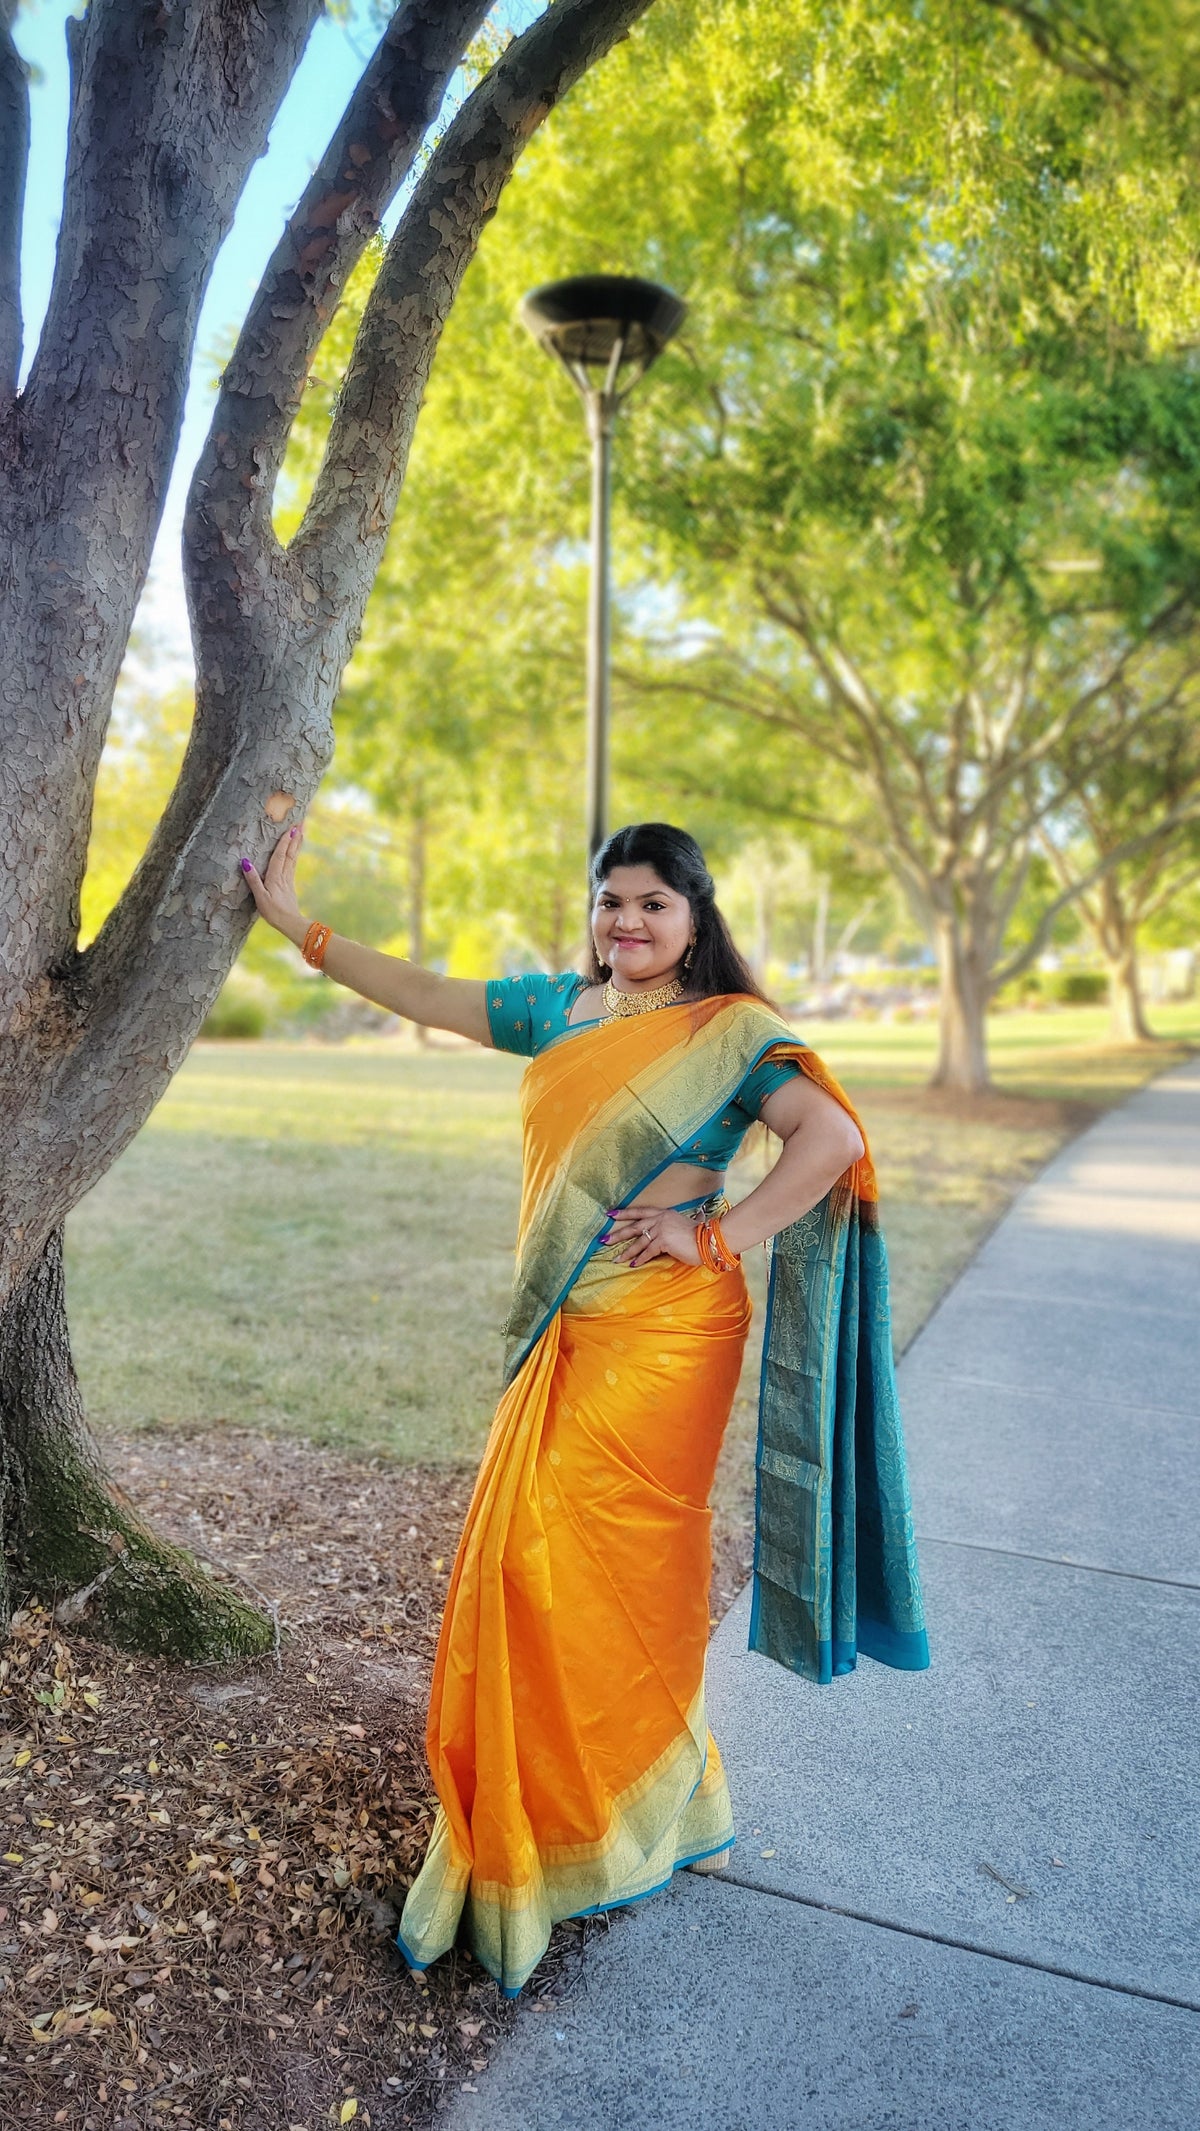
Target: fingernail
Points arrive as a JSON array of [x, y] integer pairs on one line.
[[246, 866], [295, 829]]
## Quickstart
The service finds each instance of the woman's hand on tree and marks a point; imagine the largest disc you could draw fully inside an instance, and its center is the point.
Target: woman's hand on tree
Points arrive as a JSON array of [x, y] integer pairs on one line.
[[275, 892], [644, 1233]]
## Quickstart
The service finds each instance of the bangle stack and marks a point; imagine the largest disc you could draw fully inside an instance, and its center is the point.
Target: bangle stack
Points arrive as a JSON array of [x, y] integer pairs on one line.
[[316, 940], [715, 1252]]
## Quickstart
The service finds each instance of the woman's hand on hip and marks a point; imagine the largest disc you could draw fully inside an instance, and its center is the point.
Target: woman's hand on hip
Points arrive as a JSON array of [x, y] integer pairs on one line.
[[275, 891], [643, 1233]]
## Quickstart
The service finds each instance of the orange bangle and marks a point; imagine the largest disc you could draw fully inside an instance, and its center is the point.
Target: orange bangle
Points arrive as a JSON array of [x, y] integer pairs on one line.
[[316, 940], [714, 1252]]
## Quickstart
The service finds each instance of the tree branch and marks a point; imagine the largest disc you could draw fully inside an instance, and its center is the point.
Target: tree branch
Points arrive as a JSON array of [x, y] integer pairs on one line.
[[1070, 44], [368, 158], [1130, 848], [171, 107], [359, 480], [14, 163]]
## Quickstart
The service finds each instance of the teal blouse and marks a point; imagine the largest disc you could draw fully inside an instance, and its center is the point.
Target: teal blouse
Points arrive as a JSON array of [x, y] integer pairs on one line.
[[527, 1013]]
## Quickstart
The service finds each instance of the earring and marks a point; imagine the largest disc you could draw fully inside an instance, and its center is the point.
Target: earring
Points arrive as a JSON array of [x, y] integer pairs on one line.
[[687, 960]]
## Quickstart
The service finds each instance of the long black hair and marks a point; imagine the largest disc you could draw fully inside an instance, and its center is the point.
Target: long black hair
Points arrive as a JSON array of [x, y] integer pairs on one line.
[[676, 857]]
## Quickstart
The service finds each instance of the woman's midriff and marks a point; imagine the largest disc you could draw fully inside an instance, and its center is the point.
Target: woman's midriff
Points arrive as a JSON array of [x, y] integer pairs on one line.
[[682, 1182]]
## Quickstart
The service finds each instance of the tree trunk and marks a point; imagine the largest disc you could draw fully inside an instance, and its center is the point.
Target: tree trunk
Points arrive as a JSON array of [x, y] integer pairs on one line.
[[1127, 1016], [71, 1539], [418, 833], [963, 972], [820, 938]]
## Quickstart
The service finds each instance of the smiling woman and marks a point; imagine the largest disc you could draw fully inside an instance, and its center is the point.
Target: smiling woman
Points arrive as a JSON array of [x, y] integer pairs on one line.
[[567, 1733]]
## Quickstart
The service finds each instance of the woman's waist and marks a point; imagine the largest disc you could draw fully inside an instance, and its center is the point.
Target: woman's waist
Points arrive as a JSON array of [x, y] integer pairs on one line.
[[683, 1184], [709, 1204]]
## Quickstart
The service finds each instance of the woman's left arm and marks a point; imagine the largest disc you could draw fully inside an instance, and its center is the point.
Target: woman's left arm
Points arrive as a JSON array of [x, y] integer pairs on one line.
[[820, 1142]]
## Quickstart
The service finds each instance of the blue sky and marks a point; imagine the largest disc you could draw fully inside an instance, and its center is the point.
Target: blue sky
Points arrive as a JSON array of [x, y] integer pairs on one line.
[[327, 74]]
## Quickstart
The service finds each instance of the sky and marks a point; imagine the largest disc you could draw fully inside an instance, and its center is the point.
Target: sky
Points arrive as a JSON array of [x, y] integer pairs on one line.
[[331, 65]]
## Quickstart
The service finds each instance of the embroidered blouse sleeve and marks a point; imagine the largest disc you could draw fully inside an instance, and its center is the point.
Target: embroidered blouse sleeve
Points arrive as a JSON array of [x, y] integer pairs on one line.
[[763, 1080], [525, 1013]]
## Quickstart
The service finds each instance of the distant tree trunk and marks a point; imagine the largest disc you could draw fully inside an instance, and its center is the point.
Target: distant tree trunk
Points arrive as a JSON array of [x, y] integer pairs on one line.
[[963, 973], [764, 912], [417, 843], [1127, 1015], [170, 108], [820, 936]]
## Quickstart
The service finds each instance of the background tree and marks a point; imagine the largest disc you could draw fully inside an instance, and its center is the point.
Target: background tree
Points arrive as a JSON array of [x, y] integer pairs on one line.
[[1144, 803], [169, 108], [915, 494]]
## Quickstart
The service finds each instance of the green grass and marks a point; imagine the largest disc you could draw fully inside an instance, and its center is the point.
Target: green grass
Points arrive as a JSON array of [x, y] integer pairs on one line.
[[318, 1240]]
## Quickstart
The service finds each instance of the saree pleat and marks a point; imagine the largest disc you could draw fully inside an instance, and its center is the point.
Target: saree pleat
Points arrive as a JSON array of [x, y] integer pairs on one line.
[[567, 1735], [580, 1600]]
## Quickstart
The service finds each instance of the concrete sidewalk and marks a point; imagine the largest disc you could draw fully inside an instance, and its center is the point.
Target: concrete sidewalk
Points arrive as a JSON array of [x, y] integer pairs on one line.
[[965, 1900]]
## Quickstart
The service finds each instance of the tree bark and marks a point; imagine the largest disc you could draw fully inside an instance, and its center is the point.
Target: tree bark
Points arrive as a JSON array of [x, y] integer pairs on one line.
[[71, 1539], [1127, 1014], [963, 973]]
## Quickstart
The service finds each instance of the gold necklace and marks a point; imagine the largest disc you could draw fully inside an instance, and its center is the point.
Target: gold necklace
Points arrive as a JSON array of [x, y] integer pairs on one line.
[[620, 1003]]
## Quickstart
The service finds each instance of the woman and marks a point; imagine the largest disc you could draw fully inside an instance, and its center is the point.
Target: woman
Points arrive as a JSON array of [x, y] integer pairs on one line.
[[567, 1735]]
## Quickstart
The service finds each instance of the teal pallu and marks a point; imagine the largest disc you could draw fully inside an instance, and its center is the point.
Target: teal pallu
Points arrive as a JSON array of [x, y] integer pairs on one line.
[[835, 1567]]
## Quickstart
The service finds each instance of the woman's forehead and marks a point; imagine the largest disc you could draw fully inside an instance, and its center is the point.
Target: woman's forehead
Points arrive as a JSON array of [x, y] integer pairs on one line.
[[627, 883]]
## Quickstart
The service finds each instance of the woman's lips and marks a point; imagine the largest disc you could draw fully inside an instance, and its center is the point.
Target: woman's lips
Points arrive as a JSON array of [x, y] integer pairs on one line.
[[631, 943]]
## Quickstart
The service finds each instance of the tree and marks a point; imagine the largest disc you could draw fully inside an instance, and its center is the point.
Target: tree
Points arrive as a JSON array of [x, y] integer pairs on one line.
[[1136, 844], [913, 499], [169, 108]]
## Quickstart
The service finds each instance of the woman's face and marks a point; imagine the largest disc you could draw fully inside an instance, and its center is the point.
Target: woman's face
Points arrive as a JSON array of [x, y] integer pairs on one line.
[[641, 927]]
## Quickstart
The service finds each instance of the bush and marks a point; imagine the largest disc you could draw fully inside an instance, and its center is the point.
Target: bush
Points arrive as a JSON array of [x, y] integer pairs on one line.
[[1080, 987], [241, 1009]]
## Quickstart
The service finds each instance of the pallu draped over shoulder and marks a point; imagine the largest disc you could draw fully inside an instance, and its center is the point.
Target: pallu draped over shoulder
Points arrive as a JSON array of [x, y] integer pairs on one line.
[[567, 1736]]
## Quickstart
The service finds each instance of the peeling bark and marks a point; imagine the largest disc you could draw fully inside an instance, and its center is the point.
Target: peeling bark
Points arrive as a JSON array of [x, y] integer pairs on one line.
[[170, 106]]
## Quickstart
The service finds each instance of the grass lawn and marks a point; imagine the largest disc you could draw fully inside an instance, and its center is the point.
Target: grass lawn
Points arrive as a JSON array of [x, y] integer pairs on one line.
[[318, 1240]]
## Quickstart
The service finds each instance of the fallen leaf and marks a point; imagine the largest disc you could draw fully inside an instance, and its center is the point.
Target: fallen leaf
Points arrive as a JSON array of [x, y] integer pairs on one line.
[[348, 2111]]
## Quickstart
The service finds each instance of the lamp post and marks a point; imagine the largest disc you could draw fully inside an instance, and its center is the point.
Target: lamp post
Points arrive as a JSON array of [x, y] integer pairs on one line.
[[605, 330]]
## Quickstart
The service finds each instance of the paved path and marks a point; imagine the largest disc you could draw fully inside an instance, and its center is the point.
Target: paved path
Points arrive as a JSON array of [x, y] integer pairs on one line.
[[966, 1900]]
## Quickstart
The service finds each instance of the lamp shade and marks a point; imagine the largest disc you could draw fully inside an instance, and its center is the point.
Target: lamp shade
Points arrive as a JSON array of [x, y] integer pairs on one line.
[[603, 323]]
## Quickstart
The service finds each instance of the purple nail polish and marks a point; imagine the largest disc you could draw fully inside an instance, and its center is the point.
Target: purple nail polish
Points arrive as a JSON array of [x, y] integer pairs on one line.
[[246, 866]]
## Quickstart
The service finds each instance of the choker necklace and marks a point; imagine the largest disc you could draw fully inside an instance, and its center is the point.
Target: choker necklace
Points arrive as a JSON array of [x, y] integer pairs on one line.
[[620, 1003]]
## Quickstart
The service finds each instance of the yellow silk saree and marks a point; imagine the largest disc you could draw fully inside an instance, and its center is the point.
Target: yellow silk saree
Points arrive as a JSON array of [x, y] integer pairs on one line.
[[567, 1736]]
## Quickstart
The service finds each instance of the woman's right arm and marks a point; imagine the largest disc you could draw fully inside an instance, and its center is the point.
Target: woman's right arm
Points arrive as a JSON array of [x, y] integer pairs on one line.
[[455, 1003]]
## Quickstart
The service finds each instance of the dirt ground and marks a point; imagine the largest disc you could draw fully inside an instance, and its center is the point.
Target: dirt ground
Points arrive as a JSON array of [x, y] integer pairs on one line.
[[205, 1865]]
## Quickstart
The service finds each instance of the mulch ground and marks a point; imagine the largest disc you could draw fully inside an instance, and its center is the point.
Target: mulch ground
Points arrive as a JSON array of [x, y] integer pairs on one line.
[[205, 1865]]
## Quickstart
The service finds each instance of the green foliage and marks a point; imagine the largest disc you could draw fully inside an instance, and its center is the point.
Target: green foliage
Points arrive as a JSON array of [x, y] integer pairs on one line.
[[929, 440], [1079, 987], [237, 1013]]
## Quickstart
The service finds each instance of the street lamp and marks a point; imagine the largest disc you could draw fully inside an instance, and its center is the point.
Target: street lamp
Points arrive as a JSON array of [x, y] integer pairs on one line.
[[605, 330]]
